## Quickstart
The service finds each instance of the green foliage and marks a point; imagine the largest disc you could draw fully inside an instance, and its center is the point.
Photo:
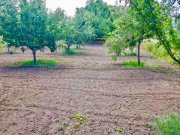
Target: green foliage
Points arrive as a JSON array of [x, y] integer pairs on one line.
[[79, 117], [56, 23], [9, 27], [40, 63], [2, 44], [100, 17], [167, 125], [61, 44], [158, 23], [133, 64], [125, 35], [130, 54], [69, 52], [157, 50], [33, 20], [24, 23], [119, 130], [145, 19]]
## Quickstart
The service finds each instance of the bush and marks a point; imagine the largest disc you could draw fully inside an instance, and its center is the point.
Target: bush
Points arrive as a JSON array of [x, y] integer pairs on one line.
[[132, 64], [40, 63], [167, 125], [154, 48], [130, 54], [61, 44], [2, 44], [70, 52]]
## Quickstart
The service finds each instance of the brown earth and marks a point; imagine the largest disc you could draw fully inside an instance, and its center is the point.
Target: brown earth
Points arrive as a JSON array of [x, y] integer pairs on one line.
[[42, 101]]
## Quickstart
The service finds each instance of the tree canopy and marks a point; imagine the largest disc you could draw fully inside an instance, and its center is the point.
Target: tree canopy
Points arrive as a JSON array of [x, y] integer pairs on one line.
[[25, 24], [124, 25]]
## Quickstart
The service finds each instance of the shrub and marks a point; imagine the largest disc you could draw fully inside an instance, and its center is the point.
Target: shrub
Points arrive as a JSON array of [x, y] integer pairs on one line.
[[167, 125], [61, 44], [70, 52], [2, 44], [154, 48], [119, 130]]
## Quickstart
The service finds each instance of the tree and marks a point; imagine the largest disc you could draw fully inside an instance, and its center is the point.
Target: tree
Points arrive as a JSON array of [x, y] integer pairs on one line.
[[127, 34], [9, 22], [33, 26], [149, 19], [158, 24], [56, 22], [84, 31], [101, 19]]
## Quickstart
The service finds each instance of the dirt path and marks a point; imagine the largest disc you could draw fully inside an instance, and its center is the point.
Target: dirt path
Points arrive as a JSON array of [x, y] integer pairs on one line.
[[42, 101]]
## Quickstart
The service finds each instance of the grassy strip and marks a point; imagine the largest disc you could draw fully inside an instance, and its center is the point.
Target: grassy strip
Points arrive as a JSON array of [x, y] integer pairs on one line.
[[133, 64], [167, 125], [40, 63], [71, 52], [154, 48]]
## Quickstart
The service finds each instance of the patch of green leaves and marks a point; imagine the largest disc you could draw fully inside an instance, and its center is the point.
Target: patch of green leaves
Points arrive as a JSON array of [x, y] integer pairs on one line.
[[79, 117], [133, 64], [119, 130], [80, 120], [40, 63], [70, 52], [167, 125], [131, 54], [154, 48]]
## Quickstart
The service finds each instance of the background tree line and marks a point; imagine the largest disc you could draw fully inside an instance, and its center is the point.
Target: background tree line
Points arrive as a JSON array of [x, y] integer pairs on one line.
[[123, 26], [145, 19]]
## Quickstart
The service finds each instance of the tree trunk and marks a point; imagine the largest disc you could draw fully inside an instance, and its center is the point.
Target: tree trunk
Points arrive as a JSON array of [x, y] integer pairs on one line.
[[68, 48], [78, 46], [139, 48], [139, 59], [34, 57], [8, 49]]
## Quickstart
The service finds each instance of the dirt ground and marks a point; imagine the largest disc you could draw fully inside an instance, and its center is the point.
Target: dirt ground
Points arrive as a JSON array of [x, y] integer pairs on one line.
[[42, 101]]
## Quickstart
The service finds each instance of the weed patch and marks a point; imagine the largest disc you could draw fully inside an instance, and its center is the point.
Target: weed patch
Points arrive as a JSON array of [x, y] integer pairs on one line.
[[119, 130], [40, 63], [167, 125], [133, 64], [70, 52]]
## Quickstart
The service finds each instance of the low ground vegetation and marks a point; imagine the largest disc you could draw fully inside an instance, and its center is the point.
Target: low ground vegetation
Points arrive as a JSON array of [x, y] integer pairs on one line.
[[40, 63], [168, 124]]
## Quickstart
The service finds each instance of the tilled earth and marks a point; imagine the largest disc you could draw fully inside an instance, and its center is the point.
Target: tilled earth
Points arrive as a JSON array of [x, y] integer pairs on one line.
[[43, 101]]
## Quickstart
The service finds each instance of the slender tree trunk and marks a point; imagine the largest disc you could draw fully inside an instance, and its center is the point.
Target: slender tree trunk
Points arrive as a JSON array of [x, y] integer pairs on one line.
[[139, 47], [68, 47], [34, 57], [167, 46], [8, 49], [78, 46]]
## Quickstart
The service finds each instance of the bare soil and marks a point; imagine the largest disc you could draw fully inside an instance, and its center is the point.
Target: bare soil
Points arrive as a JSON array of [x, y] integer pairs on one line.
[[42, 101]]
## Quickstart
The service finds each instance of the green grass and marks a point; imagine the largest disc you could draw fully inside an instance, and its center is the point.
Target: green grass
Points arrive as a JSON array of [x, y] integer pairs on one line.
[[167, 125], [80, 120], [132, 64], [40, 63], [155, 49], [119, 130], [71, 52], [79, 117]]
